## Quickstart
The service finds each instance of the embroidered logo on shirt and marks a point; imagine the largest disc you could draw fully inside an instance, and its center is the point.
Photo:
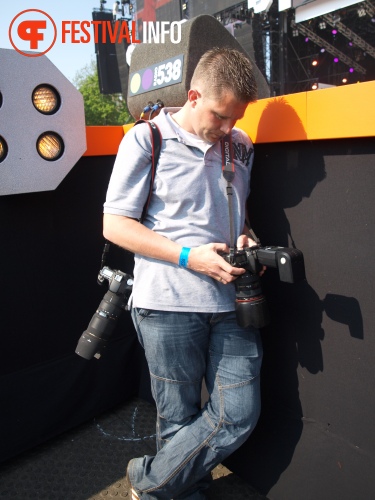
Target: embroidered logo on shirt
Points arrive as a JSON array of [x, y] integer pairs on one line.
[[242, 153]]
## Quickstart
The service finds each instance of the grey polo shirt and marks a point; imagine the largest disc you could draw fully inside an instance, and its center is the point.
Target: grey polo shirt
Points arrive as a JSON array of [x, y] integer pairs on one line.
[[188, 205]]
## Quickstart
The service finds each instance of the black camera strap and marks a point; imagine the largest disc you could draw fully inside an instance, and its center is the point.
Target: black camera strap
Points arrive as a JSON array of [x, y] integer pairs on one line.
[[228, 174], [156, 139]]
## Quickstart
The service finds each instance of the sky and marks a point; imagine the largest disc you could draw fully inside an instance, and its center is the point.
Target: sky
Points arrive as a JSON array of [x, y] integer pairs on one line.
[[68, 57]]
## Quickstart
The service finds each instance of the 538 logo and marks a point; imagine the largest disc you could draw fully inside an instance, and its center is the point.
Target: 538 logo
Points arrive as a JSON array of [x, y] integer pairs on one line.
[[32, 29], [165, 73], [156, 76]]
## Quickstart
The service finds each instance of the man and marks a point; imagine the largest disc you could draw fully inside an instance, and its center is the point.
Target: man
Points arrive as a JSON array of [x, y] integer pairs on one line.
[[183, 293]]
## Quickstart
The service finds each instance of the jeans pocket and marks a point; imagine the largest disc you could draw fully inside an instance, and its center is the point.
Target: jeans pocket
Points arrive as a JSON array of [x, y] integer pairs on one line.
[[142, 313], [138, 315]]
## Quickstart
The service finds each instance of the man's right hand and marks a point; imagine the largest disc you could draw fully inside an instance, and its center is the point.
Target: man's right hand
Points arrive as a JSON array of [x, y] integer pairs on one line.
[[206, 260]]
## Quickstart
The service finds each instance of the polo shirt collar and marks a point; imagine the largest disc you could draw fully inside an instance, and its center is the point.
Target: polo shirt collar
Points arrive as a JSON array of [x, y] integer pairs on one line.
[[161, 120]]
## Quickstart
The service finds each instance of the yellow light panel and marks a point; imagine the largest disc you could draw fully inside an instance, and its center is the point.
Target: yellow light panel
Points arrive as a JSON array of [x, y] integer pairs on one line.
[[50, 146], [46, 99]]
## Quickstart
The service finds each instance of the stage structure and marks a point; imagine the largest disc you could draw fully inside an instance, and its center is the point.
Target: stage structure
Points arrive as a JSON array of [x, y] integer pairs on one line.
[[331, 49], [312, 188]]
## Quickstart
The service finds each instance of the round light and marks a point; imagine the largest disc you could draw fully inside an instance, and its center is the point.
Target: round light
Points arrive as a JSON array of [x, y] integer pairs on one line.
[[3, 149], [46, 99], [314, 86], [50, 146]]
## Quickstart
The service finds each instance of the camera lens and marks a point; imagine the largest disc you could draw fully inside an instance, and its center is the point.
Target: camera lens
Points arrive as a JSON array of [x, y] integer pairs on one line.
[[251, 305], [101, 326]]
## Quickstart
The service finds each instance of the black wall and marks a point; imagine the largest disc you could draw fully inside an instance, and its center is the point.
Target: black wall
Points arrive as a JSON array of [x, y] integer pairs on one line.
[[50, 254], [316, 435]]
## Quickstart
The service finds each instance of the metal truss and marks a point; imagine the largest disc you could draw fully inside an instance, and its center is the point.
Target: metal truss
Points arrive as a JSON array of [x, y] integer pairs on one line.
[[350, 35], [328, 47], [369, 8]]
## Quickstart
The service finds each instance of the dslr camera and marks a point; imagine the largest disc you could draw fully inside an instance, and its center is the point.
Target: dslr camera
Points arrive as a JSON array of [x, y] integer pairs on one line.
[[251, 305], [102, 324]]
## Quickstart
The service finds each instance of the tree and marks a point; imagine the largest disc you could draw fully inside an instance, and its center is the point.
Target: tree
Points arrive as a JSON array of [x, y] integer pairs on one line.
[[100, 109]]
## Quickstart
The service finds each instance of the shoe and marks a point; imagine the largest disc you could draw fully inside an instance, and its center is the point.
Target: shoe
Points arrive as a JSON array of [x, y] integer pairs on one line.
[[131, 490]]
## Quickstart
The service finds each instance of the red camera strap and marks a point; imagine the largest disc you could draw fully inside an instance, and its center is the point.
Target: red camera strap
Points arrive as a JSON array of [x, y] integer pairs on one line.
[[155, 153]]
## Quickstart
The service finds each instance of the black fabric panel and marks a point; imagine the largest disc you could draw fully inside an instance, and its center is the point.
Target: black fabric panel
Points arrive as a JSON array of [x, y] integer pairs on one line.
[[49, 398], [50, 252], [316, 435]]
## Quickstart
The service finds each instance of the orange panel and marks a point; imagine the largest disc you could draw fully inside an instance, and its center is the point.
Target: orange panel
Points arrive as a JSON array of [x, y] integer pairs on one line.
[[102, 141], [276, 119], [334, 113], [346, 111]]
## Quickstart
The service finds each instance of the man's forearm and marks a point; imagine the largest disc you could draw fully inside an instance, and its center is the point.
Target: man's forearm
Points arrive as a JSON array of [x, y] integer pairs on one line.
[[134, 236], [130, 234]]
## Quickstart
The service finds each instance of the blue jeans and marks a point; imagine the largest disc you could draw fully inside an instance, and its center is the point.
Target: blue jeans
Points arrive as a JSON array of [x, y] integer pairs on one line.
[[182, 349]]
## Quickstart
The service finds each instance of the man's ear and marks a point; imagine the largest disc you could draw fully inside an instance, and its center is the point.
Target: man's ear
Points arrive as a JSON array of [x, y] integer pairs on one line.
[[193, 96]]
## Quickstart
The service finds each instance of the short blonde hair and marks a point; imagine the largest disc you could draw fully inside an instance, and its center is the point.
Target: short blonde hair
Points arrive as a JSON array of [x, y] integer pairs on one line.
[[225, 69]]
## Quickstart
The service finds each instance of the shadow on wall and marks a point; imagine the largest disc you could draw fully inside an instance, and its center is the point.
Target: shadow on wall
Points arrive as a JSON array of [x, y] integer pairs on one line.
[[283, 175]]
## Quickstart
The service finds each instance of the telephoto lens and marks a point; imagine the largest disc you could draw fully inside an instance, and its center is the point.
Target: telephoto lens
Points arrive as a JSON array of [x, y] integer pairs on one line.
[[251, 306], [95, 338], [115, 301]]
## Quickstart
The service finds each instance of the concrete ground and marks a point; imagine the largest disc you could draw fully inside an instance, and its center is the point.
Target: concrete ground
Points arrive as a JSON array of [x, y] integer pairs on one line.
[[89, 462]]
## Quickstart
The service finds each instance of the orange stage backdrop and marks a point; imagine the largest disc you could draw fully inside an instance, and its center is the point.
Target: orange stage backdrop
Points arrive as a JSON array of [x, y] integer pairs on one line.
[[334, 113]]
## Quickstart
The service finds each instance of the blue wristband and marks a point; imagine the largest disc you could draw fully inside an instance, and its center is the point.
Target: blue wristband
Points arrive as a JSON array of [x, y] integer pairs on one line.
[[184, 257]]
